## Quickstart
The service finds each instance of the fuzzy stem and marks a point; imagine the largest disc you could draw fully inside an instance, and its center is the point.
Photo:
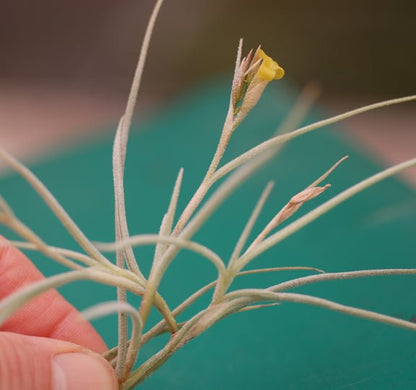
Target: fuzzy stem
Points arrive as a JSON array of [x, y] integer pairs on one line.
[[206, 183], [54, 205], [294, 283], [120, 147], [273, 142], [322, 209]]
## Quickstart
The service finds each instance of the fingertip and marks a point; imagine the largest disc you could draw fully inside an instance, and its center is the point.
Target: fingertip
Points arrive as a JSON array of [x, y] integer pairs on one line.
[[82, 371], [37, 363]]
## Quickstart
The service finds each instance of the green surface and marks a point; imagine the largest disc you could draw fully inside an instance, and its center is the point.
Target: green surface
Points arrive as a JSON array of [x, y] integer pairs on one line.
[[286, 347]]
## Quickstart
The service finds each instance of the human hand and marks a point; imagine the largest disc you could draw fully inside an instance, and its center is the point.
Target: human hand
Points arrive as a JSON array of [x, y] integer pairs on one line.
[[47, 345]]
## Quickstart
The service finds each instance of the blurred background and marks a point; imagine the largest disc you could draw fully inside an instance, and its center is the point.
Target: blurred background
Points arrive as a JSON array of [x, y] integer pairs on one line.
[[66, 67]]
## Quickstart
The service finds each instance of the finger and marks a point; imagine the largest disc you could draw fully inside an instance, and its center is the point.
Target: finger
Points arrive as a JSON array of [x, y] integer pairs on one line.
[[36, 363], [48, 315]]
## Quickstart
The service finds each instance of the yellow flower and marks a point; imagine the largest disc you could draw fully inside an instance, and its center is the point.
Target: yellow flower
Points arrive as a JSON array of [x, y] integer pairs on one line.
[[253, 74], [269, 69]]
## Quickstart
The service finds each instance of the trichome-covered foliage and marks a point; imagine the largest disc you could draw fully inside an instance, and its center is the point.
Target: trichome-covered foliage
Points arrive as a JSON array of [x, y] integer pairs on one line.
[[251, 76]]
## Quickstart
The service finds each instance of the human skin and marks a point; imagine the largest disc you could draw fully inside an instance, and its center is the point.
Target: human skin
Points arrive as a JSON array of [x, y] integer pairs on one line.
[[47, 344]]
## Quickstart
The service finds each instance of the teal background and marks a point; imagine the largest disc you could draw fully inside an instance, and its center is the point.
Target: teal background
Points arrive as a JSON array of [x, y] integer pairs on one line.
[[286, 347]]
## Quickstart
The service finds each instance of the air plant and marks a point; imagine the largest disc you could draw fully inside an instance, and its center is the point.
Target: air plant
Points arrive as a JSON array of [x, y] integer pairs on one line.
[[251, 75]]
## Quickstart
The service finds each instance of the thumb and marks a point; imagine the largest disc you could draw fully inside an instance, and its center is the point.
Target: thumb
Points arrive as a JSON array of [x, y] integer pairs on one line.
[[37, 363]]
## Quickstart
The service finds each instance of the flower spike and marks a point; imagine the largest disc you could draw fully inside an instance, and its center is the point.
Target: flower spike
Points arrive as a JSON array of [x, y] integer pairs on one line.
[[250, 80]]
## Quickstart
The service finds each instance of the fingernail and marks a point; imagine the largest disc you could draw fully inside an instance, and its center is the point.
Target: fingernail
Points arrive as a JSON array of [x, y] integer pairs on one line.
[[82, 371]]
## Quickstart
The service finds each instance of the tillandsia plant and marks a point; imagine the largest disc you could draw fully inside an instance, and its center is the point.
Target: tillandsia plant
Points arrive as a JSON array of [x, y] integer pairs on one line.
[[251, 76]]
